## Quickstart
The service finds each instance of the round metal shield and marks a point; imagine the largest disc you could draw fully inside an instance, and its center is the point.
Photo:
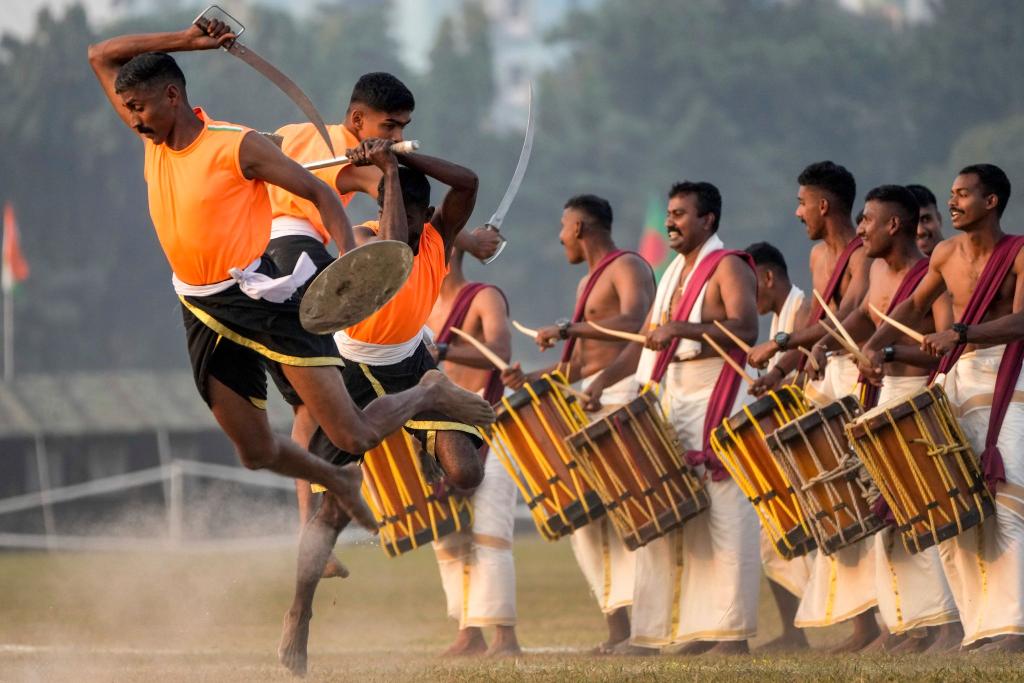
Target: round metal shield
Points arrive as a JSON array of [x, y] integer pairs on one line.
[[355, 286]]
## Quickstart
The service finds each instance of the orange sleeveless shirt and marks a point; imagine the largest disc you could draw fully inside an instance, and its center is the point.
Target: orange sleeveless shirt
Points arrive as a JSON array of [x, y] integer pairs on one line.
[[208, 216], [303, 143], [403, 317]]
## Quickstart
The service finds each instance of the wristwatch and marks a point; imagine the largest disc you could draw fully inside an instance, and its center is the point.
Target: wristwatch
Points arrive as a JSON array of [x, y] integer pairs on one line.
[[563, 327], [888, 354], [781, 340], [961, 330], [442, 351]]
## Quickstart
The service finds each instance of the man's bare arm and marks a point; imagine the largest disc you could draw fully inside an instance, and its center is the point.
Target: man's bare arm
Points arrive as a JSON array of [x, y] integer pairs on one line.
[[912, 311], [490, 306], [261, 159], [107, 58], [458, 202]]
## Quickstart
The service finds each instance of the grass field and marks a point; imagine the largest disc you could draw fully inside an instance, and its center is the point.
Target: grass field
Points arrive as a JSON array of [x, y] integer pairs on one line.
[[216, 617]]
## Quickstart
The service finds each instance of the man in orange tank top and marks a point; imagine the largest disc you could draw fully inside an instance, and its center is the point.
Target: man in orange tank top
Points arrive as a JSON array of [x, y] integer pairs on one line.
[[209, 206], [379, 110]]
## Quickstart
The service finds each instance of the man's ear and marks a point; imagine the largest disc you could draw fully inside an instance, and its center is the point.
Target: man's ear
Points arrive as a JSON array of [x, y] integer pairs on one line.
[[357, 119], [823, 206], [769, 278]]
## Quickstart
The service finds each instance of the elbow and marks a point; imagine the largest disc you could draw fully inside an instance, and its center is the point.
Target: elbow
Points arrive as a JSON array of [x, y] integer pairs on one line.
[[96, 53], [472, 182]]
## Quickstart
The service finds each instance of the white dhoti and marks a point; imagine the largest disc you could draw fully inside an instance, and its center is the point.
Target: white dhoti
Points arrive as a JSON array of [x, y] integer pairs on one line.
[[477, 570], [842, 585], [912, 588], [985, 565], [792, 575], [607, 564], [699, 582]]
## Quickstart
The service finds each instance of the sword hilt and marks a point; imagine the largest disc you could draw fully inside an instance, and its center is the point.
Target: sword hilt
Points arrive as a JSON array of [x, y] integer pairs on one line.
[[218, 12], [497, 252]]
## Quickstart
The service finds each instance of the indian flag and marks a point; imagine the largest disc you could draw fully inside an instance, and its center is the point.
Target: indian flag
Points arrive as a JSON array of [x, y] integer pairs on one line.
[[14, 267], [653, 242]]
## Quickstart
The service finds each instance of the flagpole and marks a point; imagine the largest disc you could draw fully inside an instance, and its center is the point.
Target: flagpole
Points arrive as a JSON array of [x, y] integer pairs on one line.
[[8, 334]]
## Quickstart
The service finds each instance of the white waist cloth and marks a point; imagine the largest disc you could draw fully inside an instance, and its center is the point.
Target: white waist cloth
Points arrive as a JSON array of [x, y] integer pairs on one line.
[[376, 354], [912, 589], [840, 380], [985, 565], [284, 226], [253, 284]]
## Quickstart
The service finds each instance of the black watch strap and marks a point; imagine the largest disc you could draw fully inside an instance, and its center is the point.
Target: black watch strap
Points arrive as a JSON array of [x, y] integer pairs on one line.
[[888, 354], [442, 351], [961, 330]]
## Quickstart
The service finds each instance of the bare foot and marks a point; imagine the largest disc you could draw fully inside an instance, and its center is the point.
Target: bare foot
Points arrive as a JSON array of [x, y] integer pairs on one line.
[[865, 630], [729, 647], [947, 638], [468, 643], [345, 488], [791, 641], [464, 406], [505, 643], [883, 643], [912, 643], [1011, 643], [606, 648], [334, 568], [294, 638], [627, 649], [696, 647]]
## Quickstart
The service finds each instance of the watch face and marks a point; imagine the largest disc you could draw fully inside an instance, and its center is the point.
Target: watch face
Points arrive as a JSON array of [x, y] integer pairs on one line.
[[782, 338]]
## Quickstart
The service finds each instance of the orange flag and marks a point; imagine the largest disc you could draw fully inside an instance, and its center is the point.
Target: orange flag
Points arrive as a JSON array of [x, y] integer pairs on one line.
[[15, 267]]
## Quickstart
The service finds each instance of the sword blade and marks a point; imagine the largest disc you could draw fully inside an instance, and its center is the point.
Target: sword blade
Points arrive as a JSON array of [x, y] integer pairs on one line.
[[287, 85], [517, 176]]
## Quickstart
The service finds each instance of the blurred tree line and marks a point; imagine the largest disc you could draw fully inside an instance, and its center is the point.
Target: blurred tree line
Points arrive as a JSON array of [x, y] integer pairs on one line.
[[743, 93]]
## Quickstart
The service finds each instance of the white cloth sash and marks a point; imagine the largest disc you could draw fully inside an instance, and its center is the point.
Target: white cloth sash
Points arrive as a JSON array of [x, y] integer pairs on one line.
[[285, 226], [785, 320], [378, 354], [253, 284], [687, 348]]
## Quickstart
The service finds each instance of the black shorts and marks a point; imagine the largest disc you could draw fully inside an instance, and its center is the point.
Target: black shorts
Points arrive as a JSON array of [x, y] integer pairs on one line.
[[232, 337], [367, 382], [284, 252]]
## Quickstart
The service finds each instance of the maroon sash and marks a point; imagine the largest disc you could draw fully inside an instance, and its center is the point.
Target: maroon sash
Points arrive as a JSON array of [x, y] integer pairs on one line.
[[913, 277], [723, 396], [581, 304], [999, 264], [831, 288], [463, 300]]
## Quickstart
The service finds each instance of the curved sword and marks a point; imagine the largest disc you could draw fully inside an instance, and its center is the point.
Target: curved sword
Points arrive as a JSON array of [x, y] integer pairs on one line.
[[272, 73], [517, 179]]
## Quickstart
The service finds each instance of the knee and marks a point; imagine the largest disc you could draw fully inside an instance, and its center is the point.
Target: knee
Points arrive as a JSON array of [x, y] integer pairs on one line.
[[331, 514], [468, 474], [356, 440], [257, 454]]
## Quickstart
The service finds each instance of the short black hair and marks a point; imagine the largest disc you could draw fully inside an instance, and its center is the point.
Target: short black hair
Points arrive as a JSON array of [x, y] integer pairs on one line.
[[993, 181], [923, 195], [384, 92], [415, 188], [908, 208], [149, 69], [834, 179], [709, 199], [768, 255], [595, 207]]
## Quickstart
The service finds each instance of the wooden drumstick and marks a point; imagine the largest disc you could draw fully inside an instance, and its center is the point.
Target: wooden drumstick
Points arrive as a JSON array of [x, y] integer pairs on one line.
[[810, 357], [744, 346], [484, 351], [850, 348], [913, 334], [628, 336], [524, 329], [502, 365], [735, 366], [835, 319]]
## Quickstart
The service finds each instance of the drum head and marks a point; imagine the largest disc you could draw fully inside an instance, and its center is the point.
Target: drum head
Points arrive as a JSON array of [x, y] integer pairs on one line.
[[355, 286]]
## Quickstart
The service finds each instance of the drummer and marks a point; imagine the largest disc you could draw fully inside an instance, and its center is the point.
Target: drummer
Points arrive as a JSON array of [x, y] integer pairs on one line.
[[929, 221], [842, 586], [697, 587], [914, 597], [982, 269], [476, 564], [616, 292], [379, 110], [787, 578]]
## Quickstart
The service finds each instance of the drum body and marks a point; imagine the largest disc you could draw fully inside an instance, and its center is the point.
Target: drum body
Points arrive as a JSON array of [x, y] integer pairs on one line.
[[924, 467], [633, 458], [829, 480], [739, 442], [406, 506], [529, 438]]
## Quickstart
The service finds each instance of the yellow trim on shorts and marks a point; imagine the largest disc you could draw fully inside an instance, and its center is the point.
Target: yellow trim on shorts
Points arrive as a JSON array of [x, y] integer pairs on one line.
[[424, 425], [228, 333], [260, 403]]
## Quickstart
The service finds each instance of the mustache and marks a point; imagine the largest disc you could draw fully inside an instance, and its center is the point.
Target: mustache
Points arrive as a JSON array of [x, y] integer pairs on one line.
[[144, 129]]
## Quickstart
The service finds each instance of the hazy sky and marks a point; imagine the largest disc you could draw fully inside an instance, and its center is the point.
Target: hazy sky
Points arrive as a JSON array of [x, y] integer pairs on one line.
[[19, 16]]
